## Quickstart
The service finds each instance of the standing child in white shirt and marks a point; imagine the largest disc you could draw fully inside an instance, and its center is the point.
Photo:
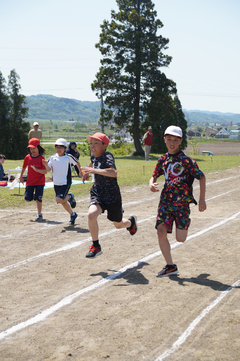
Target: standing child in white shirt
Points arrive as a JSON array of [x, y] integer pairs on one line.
[[60, 165]]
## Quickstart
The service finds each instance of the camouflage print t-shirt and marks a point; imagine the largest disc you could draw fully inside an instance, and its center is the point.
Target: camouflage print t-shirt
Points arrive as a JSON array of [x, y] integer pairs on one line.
[[179, 171], [105, 188]]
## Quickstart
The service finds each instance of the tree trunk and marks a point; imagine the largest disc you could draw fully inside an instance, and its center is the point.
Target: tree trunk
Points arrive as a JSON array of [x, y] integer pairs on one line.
[[137, 143]]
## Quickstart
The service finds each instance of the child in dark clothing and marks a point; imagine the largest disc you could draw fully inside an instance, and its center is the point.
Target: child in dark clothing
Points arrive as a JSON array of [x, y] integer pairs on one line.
[[105, 193]]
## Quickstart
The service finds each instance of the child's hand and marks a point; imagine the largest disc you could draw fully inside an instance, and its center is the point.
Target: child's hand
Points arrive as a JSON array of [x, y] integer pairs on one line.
[[45, 162], [33, 167], [202, 205], [153, 187]]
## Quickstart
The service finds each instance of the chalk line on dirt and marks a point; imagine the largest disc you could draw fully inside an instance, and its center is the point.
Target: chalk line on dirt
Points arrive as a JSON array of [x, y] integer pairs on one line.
[[67, 300], [195, 322], [79, 243]]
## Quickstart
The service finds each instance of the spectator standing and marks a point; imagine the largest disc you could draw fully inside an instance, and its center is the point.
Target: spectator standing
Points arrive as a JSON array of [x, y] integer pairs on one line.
[[35, 132], [147, 141]]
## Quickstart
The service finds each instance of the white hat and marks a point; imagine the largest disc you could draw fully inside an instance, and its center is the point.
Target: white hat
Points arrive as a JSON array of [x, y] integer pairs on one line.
[[35, 123], [174, 130], [150, 127], [61, 141]]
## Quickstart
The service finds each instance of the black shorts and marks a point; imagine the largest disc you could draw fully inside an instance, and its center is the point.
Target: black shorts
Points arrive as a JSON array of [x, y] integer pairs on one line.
[[62, 191], [114, 210]]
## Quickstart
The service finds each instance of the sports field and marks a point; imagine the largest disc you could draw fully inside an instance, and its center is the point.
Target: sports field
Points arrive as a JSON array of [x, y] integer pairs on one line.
[[57, 305]]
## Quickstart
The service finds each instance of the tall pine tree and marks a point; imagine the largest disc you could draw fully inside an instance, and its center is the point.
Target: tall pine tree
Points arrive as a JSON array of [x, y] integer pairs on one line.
[[17, 138], [130, 68]]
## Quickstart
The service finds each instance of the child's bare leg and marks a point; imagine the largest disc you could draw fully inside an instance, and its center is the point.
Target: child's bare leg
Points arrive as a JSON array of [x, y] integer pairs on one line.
[[164, 243], [93, 212], [39, 207], [181, 235], [125, 223], [65, 204]]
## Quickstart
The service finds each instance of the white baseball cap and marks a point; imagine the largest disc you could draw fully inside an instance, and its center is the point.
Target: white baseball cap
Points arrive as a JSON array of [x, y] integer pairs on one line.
[[174, 130], [35, 123], [61, 141]]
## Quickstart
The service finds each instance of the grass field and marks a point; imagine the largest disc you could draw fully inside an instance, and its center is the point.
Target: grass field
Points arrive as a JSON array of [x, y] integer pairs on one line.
[[132, 170]]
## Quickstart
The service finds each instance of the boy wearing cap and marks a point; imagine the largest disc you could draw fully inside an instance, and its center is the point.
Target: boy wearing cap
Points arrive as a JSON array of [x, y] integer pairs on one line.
[[35, 132], [36, 174], [179, 171], [105, 193], [60, 165], [147, 141]]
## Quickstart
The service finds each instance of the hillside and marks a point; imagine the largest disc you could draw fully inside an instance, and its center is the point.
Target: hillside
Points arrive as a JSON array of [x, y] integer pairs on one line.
[[54, 108]]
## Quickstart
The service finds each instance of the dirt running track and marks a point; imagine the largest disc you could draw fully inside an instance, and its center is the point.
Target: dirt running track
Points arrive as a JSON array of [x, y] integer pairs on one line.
[[57, 305]]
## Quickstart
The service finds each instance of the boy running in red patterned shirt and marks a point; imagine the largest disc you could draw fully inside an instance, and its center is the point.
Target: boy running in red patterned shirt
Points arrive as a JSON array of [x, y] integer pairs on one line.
[[179, 171]]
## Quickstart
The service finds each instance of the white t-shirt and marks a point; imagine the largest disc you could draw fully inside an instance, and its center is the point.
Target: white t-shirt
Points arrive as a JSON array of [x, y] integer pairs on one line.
[[61, 168]]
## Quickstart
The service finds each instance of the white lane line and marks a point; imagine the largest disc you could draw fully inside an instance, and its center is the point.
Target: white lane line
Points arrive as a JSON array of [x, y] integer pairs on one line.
[[195, 322], [79, 243], [67, 300]]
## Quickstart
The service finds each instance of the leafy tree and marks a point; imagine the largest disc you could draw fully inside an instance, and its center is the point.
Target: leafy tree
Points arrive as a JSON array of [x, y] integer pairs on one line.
[[163, 112], [129, 73], [4, 115], [16, 137]]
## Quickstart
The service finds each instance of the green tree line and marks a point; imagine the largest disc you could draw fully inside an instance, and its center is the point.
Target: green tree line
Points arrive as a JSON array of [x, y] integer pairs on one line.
[[13, 128]]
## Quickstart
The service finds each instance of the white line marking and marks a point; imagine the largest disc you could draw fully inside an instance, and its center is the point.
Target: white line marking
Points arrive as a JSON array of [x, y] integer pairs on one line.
[[67, 300], [195, 322], [79, 243]]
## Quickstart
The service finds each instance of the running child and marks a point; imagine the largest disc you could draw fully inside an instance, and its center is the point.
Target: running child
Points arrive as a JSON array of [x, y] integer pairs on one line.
[[179, 171], [36, 175], [105, 193], [60, 165]]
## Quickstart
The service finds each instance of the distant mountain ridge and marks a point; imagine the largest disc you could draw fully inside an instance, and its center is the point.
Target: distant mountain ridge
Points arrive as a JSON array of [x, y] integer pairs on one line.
[[43, 106], [49, 107]]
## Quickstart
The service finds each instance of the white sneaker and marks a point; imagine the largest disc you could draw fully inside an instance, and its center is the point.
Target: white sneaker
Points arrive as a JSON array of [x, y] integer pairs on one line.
[[39, 217]]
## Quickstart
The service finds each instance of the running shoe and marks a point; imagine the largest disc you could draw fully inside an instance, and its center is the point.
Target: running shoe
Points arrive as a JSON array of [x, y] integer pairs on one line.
[[39, 217], [168, 270], [94, 251], [72, 219], [133, 228], [72, 200]]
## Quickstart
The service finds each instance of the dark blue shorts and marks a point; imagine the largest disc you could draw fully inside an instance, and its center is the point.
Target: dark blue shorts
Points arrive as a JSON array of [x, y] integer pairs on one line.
[[62, 191], [30, 195]]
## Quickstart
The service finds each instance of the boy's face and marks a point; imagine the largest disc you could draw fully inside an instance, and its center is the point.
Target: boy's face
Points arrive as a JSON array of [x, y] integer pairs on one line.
[[97, 147], [172, 143], [60, 150], [2, 160]]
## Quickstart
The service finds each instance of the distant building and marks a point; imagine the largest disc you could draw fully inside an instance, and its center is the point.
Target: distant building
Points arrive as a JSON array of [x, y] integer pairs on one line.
[[234, 134], [193, 133], [209, 131], [223, 133]]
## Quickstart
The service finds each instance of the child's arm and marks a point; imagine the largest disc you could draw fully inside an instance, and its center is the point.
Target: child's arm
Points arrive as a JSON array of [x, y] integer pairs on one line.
[[79, 168], [45, 163], [108, 172], [153, 185], [42, 171], [21, 175], [202, 204]]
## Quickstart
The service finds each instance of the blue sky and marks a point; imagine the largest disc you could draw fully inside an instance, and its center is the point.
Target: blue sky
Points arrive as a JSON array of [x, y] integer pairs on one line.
[[50, 43]]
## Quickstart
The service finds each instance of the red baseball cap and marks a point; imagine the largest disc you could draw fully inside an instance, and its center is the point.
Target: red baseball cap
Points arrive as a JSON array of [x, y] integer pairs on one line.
[[33, 143], [99, 136]]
